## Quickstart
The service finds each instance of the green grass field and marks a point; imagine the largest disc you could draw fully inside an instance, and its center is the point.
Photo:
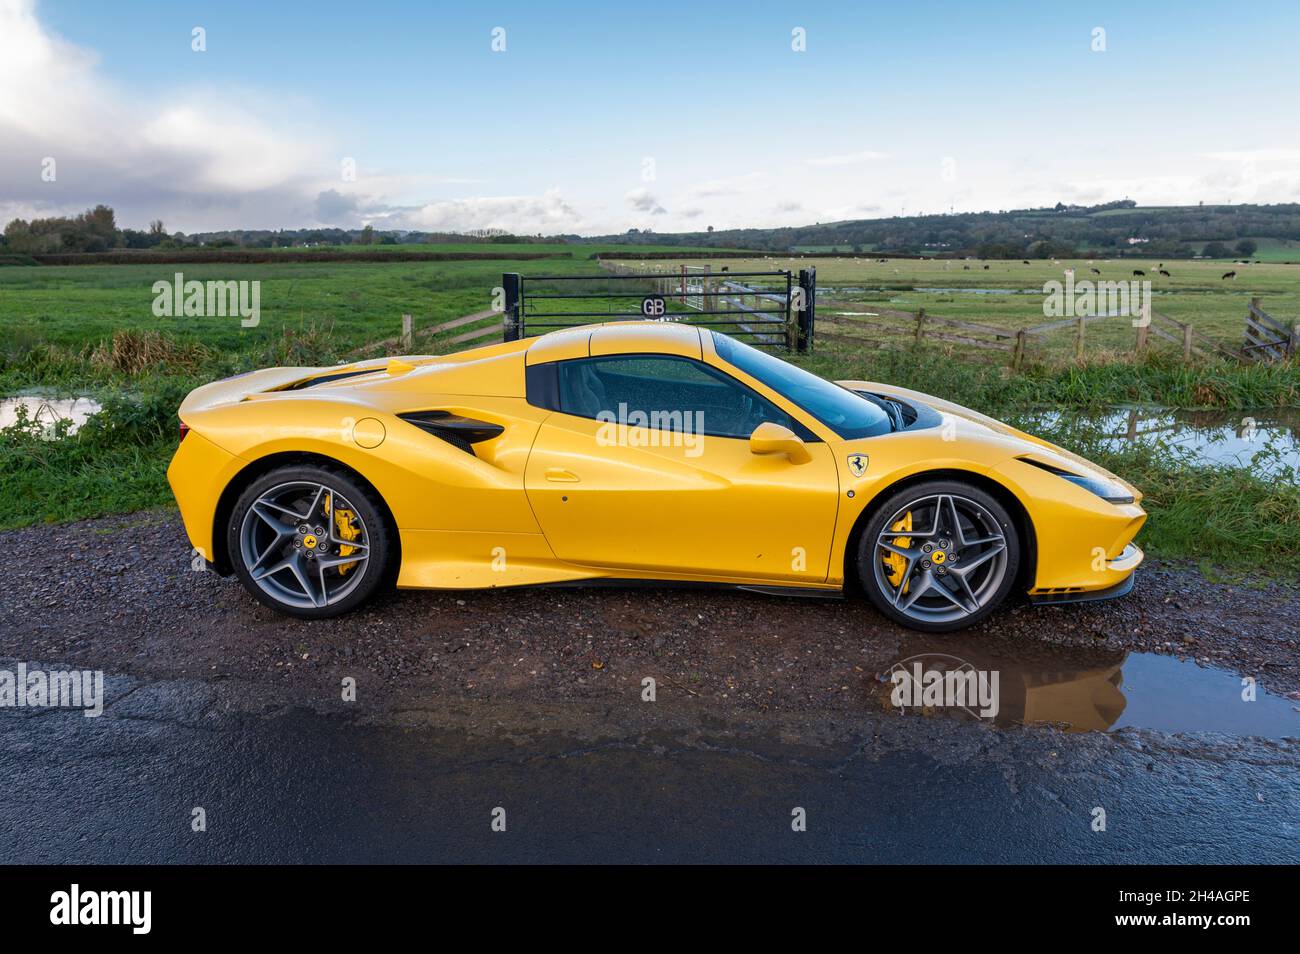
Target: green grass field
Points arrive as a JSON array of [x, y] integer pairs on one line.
[[73, 306], [1009, 294], [57, 326]]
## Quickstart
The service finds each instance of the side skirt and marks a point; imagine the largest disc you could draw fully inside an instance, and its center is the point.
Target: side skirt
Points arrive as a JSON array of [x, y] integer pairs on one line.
[[607, 582]]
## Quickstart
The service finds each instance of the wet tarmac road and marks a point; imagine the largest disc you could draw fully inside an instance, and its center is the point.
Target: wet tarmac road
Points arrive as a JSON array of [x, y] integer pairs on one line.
[[531, 701], [662, 782]]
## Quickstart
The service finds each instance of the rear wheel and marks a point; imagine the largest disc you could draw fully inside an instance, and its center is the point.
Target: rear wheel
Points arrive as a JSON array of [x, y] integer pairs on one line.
[[309, 541], [938, 556]]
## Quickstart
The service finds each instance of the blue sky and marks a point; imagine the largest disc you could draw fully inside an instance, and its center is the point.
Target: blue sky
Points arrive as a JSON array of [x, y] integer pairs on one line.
[[892, 107]]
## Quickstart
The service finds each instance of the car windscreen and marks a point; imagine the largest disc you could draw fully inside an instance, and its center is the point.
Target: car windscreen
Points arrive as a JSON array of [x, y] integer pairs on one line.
[[844, 412]]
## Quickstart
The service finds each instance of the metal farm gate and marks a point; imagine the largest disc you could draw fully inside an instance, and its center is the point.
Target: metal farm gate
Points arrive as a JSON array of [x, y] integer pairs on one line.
[[766, 309]]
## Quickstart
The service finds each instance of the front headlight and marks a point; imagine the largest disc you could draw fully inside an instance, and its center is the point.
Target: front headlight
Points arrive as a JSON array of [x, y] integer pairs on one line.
[[1107, 490]]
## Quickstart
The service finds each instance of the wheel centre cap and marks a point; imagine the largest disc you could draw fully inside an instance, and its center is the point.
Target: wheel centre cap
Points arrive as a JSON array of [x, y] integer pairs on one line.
[[309, 541], [939, 556]]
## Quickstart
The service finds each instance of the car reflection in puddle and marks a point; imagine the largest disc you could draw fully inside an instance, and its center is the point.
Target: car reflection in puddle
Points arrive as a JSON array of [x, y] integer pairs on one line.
[[1082, 692]]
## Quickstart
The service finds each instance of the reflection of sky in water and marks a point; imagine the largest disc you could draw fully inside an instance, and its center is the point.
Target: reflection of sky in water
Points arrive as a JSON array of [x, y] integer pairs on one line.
[[1210, 437], [1179, 696], [47, 411]]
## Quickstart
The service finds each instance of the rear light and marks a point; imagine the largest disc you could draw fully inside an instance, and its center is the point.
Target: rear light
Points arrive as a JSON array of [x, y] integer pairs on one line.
[[185, 429]]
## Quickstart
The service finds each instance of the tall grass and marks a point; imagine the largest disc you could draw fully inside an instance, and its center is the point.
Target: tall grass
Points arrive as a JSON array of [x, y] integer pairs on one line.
[[1158, 379], [1235, 517], [117, 462]]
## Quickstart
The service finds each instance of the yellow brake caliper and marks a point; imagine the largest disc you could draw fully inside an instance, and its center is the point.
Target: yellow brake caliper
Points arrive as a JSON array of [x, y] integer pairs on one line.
[[898, 564], [346, 531]]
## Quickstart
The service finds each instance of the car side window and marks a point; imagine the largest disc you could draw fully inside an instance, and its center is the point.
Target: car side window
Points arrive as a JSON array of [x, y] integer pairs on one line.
[[666, 393]]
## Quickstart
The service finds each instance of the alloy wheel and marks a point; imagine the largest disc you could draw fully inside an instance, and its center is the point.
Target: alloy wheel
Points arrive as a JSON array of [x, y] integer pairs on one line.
[[304, 544], [940, 558]]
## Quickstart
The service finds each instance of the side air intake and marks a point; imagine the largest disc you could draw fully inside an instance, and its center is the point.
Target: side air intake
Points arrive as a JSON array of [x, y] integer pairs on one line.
[[461, 432]]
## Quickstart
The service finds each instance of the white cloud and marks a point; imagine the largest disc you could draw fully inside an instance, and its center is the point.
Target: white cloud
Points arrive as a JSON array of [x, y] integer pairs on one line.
[[548, 213], [196, 160], [1284, 154], [643, 201], [847, 159], [732, 185], [199, 159], [858, 210]]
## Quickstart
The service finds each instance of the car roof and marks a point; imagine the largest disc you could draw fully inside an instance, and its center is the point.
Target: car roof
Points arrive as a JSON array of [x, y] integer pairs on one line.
[[617, 337]]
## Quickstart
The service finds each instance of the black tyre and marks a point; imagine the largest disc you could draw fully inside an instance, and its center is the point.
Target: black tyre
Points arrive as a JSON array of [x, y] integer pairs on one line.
[[938, 556], [310, 541]]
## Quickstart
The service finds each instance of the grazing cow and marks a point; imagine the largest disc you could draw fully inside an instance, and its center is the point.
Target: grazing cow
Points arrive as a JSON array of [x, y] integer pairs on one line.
[[1229, 275], [1025, 261], [1138, 271], [1164, 273], [965, 268], [986, 268], [1095, 271], [725, 268]]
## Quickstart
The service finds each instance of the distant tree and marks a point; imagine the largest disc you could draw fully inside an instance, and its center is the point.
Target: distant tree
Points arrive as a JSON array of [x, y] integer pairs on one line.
[[1216, 250], [1246, 248]]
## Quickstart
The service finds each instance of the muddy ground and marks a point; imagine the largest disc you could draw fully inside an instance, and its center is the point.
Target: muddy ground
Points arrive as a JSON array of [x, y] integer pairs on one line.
[[118, 593]]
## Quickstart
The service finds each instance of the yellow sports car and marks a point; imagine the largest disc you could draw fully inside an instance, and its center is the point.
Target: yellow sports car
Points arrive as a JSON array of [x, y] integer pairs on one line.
[[636, 450]]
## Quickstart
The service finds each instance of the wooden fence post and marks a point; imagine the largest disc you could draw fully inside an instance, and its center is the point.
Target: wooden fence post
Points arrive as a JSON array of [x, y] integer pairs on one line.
[[408, 335], [1140, 345], [1187, 342], [920, 324], [1018, 356], [707, 302], [1078, 341]]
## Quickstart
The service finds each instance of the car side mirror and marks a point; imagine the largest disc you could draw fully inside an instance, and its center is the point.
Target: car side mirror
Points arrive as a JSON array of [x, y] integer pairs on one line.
[[770, 438]]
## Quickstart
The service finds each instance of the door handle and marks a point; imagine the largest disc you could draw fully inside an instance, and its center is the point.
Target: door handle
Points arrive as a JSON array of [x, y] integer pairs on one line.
[[560, 475]]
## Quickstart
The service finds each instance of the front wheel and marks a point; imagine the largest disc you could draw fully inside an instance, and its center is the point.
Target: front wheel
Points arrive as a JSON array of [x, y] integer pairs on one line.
[[309, 541], [938, 556]]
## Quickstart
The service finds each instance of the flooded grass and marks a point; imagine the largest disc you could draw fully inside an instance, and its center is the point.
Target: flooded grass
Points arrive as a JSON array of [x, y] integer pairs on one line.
[[1263, 441], [114, 462], [47, 411], [1198, 508]]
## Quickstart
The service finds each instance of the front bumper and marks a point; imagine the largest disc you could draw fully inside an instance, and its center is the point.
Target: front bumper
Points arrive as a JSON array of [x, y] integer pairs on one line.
[[1122, 588], [1126, 562]]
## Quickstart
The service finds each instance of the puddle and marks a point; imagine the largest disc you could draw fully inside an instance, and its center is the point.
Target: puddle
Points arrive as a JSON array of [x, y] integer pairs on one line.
[[979, 291], [1265, 440], [48, 411], [1098, 692]]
